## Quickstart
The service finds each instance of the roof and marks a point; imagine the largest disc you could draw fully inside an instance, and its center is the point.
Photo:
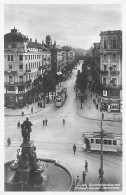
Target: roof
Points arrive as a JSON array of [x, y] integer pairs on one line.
[[15, 36]]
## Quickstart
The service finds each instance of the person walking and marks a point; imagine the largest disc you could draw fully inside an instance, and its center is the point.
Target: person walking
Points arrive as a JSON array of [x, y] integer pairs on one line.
[[31, 109], [86, 166], [91, 96], [18, 124], [100, 172], [46, 121], [43, 123], [74, 148], [84, 176], [63, 122], [77, 180], [8, 141], [22, 113]]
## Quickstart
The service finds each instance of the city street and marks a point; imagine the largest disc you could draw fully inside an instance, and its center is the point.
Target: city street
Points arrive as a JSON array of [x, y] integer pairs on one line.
[[56, 141]]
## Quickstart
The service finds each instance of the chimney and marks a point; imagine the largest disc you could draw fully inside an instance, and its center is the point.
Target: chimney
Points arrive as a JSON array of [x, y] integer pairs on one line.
[[35, 40]]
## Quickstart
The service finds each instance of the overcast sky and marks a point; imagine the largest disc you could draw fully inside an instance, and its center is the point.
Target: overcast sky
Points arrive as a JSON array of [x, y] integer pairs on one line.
[[73, 24]]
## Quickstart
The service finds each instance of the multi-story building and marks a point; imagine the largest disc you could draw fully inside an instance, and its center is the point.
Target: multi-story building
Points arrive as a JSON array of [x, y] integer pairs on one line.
[[23, 61], [111, 69]]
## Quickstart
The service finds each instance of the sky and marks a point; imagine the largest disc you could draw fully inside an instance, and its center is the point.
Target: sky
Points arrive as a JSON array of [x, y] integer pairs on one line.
[[76, 25]]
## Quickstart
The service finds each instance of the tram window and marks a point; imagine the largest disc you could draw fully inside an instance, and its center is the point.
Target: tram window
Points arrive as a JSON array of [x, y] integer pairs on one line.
[[109, 142], [114, 142], [97, 141], [92, 140], [105, 141]]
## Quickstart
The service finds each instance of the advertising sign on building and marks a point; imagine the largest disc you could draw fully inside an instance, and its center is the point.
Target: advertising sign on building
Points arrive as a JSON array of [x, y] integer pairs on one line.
[[104, 93]]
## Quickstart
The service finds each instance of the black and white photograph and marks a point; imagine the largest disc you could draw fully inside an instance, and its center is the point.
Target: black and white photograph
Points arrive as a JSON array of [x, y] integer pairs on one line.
[[63, 97]]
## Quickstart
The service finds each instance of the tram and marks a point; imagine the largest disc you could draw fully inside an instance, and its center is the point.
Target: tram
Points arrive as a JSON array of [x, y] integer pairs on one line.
[[111, 142], [61, 97]]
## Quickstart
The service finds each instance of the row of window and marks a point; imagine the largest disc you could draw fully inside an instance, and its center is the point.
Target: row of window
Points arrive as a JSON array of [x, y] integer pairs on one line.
[[32, 65], [113, 56], [113, 44], [11, 79], [113, 81], [31, 57], [113, 68], [105, 141]]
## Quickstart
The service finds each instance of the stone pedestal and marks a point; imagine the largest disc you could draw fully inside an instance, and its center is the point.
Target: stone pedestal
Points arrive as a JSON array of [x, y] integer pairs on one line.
[[27, 148]]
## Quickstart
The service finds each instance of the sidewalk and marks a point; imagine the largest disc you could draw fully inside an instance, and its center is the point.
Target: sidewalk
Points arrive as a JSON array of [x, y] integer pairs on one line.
[[89, 109], [27, 111]]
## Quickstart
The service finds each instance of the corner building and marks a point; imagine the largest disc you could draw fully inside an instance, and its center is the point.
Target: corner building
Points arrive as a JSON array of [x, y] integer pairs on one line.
[[111, 70]]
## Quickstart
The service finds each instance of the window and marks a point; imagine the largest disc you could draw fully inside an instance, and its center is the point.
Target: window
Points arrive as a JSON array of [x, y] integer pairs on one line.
[[26, 67], [104, 141], [29, 57], [10, 67], [105, 67], [20, 67], [104, 80], [114, 81], [114, 142], [10, 79], [33, 57], [20, 57], [114, 56], [114, 43], [21, 79], [109, 142], [25, 57], [13, 45], [98, 141], [29, 66], [11, 57], [105, 45], [8, 57], [35, 65], [105, 56], [114, 67], [92, 140]]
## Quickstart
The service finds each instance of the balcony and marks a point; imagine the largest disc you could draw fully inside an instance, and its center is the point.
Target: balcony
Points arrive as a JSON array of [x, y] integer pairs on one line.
[[29, 70], [17, 83], [114, 73], [10, 72], [103, 72]]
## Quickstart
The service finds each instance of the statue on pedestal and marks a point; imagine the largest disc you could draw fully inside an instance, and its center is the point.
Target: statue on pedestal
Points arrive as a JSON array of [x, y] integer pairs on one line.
[[26, 129]]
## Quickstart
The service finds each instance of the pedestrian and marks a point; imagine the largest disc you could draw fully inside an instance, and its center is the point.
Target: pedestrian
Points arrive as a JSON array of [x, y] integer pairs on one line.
[[84, 176], [22, 113], [46, 122], [31, 109], [63, 122], [8, 141], [77, 180], [86, 165], [74, 148], [43, 123], [91, 96], [18, 124], [101, 172]]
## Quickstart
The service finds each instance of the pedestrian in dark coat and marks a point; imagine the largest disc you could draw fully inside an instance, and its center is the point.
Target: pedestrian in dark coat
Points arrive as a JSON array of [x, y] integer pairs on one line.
[[63, 122], [83, 177], [77, 180], [46, 122], [86, 165], [91, 96], [43, 122], [74, 148]]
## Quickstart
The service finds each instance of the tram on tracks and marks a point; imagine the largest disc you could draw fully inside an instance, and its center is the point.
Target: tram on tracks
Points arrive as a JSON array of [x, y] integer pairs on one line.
[[61, 97], [111, 142]]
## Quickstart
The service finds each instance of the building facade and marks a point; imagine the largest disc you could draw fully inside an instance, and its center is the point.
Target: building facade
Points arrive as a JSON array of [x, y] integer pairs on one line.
[[24, 61], [111, 69]]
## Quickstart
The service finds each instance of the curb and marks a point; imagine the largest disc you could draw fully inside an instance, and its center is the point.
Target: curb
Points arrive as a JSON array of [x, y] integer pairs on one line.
[[29, 113]]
